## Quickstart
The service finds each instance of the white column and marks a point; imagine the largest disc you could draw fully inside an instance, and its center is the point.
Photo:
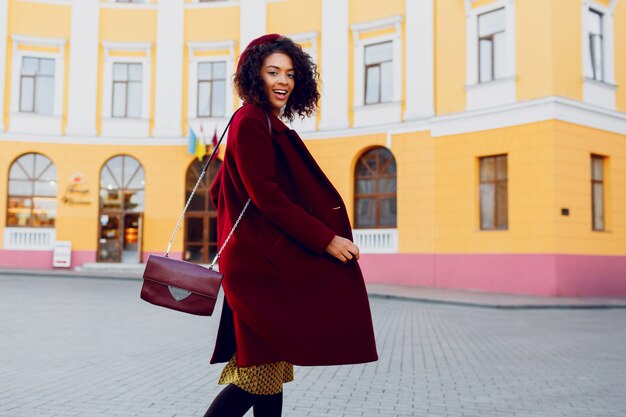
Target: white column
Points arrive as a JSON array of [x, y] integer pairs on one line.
[[420, 59], [169, 68], [83, 77], [334, 69], [4, 20], [253, 21]]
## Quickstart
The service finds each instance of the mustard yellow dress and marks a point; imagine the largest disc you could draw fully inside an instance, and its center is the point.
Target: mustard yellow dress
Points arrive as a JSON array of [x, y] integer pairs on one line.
[[265, 379]]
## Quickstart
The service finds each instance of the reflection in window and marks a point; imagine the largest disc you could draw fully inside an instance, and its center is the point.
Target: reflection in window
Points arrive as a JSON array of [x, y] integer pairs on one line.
[[211, 89], [494, 193], [32, 192], [122, 184], [491, 45], [596, 41], [127, 90], [597, 192], [375, 190], [37, 85], [379, 73]]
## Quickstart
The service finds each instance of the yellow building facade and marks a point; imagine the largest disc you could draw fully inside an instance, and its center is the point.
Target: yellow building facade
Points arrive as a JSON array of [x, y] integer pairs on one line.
[[478, 144]]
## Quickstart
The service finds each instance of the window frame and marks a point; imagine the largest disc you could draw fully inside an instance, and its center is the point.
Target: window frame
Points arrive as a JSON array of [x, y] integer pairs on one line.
[[380, 72], [364, 34], [496, 181], [490, 38], [601, 182], [599, 92], [126, 90], [500, 91], [377, 196], [211, 82], [33, 122], [125, 126], [32, 179]]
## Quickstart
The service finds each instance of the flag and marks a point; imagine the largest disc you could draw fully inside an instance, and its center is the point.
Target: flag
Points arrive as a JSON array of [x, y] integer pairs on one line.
[[200, 145], [191, 141], [214, 141]]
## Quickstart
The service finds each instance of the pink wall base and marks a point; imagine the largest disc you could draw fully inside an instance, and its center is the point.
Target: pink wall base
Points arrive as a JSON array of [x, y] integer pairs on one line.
[[40, 259], [530, 274]]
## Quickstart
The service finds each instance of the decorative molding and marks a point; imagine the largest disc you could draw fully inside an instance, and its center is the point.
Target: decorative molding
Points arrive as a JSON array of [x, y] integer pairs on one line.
[[115, 5], [363, 114], [33, 122], [500, 91], [516, 114]]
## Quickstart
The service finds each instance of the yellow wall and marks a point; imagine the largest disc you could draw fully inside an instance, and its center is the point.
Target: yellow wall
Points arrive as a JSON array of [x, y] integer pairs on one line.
[[366, 10], [165, 168], [567, 49], [39, 19], [575, 145], [209, 25], [450, 57], [534, 46], [128, 25], [294, 16]]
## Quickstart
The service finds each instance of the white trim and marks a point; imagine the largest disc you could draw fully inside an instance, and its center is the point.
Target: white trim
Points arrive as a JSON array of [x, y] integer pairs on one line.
[[195, 4], [114, 5], [365, 115], [252, 21], [4, 27], [334, 68], [501, 91], [515, 114], [33, 122], [29, 238], [126, 127], [83, 76], [168, 97], [594, 92], [376, 240], [53, 2], [307, 124], [211, 123], [420, 59]]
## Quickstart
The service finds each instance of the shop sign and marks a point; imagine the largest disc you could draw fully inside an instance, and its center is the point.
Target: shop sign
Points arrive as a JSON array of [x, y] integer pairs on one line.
[[75, 193], [62, 254]]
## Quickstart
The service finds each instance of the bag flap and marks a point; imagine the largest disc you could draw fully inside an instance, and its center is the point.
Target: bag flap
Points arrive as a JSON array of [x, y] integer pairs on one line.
[[182, 274]]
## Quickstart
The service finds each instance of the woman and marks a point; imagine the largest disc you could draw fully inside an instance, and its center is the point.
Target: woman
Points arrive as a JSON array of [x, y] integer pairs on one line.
[[293, 292]]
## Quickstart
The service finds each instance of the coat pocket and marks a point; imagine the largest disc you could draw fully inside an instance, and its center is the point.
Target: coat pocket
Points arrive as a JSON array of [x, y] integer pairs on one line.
[[280, 250]]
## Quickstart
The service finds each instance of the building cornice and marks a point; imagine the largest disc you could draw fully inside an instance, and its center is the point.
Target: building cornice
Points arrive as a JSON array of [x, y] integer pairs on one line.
[[517, 114]]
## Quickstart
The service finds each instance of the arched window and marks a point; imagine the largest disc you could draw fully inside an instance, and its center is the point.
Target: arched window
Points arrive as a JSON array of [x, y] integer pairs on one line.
[[122, 183], [201, 217], [375, 190], [32, 192]]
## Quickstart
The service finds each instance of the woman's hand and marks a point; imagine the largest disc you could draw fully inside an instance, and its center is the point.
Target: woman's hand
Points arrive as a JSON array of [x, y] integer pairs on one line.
[[342, 249]]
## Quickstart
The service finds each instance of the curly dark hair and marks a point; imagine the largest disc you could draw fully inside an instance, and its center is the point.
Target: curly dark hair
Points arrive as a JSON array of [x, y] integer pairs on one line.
[[249, 84]]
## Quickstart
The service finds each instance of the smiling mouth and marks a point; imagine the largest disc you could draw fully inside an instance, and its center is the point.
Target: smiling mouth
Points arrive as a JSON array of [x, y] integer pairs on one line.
[[280, 94]]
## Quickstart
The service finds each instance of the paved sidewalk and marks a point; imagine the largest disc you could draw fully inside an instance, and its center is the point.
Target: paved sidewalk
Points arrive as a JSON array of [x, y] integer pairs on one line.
[[83, 347], [404, 292]]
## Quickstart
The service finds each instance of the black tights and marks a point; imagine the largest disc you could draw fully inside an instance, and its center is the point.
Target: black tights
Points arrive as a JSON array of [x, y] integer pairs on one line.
[[233, 401]]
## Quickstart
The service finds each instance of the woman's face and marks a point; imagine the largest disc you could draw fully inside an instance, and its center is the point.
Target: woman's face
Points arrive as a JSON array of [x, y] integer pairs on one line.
[[278, 78]]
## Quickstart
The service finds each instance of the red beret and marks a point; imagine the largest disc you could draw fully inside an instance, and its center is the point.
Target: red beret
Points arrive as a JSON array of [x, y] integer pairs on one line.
[[256, 42]]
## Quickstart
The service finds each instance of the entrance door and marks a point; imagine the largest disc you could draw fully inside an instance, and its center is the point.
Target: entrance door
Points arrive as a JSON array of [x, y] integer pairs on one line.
[[121, 210], [201, 217]]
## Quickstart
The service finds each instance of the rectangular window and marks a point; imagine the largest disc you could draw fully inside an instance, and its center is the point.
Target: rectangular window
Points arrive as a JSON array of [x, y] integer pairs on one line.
[[596, 44], [211, 89], [597, 192], [37, 85], [379, 73], [494, 193], [491, 45], [127, 90]]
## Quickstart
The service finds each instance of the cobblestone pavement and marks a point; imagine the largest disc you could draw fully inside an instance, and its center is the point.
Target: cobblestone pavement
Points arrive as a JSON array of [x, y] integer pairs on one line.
[[81, 347]]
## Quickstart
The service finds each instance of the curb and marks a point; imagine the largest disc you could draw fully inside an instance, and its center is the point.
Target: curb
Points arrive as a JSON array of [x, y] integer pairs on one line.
[[121, 276]]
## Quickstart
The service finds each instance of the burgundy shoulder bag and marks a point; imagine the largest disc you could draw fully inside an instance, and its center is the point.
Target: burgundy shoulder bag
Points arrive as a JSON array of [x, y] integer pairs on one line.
[[181, 285]]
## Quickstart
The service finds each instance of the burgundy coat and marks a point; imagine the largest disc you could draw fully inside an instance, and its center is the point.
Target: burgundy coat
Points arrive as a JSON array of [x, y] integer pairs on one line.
[[286, 299]]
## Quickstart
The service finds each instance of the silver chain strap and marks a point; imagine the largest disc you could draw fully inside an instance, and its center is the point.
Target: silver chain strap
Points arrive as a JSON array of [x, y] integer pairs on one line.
[[193, 192]]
